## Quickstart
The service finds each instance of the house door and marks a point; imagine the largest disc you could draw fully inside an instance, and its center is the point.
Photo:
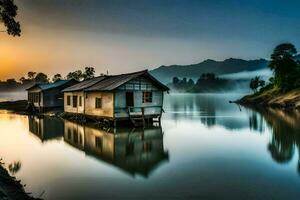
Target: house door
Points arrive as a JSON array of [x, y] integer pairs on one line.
[[129, 99]]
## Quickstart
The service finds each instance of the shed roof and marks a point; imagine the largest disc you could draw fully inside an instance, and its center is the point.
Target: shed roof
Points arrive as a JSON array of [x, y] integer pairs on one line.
[[47, 86], [84, 84], [109, 83]]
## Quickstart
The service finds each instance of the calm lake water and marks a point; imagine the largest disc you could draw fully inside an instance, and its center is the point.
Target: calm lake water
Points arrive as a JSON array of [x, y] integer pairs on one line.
[[205, 149]]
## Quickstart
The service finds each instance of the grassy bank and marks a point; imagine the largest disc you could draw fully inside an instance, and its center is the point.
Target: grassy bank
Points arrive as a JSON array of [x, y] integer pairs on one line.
[[273, 98]]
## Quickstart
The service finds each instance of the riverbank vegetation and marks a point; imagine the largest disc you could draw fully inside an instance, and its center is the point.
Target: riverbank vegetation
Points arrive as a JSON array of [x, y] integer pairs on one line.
[[40, 77], [283, 89], [207, 82]]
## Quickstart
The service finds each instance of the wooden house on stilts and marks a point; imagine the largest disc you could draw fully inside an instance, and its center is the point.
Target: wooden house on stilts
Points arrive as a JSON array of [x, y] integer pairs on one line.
[[135, 97], [48, 96]]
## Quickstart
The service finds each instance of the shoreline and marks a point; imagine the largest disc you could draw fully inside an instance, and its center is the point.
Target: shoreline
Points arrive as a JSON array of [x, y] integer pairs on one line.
[[11, 188], [19, 106], [285, 101]]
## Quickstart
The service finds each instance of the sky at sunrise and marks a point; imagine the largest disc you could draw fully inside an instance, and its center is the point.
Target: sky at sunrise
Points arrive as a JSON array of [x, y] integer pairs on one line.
[[121, 36]]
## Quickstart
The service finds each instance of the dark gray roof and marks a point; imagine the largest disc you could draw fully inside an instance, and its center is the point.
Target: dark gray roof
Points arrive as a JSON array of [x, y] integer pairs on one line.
[[48, 86], [108, 83], [84, 84]]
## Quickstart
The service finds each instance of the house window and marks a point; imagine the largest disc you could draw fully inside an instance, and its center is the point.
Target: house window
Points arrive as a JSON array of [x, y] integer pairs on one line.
[[75, 101], [80, 100], [34, 97], [147, 97], [68, 100], [98, 103]]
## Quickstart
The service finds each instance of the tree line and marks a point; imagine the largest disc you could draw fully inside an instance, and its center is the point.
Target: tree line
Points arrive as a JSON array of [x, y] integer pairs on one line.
[[207, 82], [285, 64], [40, 77]]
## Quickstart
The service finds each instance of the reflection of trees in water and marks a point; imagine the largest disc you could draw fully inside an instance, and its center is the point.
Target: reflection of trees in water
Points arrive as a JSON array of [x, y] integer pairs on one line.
[[285, 126], [189, 106], [256, 122], [14, 167], [209, 108]]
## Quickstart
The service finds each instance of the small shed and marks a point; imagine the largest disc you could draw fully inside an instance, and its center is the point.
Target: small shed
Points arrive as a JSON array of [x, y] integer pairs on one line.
[[48, 95], [137, 97]]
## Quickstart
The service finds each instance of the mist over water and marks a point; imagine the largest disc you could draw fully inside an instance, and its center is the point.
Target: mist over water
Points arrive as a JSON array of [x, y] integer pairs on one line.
[[13, 96], [265, 74]]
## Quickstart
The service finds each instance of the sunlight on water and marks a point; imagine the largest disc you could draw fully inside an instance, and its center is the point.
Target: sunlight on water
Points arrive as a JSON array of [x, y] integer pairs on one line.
[[204, 145]]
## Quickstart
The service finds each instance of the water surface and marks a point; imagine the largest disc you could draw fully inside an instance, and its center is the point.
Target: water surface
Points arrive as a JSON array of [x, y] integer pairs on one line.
[[206, 148]]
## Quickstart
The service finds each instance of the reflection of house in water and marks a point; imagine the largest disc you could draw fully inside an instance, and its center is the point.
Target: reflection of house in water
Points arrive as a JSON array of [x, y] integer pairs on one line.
[[136, 151], [46, 128]]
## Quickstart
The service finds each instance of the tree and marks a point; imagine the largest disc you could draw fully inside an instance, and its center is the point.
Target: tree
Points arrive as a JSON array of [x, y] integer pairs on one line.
[[256, 83], [22, 79], [41, 78], [56, 77], [11, 81], [8, 13], [31, 75], [285, 67], [175, 80], [88, 73], [191, 82], [77, 75]]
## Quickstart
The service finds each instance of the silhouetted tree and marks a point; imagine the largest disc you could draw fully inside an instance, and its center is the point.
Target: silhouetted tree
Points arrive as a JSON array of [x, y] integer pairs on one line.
[[256, 83], [191, 82], [77, 75], [88, 73], [285, 67], [11, 81], [208, 76], [31, 75], [8, 12], [41, 78], [56, 77], [22, 79], [175, 80]]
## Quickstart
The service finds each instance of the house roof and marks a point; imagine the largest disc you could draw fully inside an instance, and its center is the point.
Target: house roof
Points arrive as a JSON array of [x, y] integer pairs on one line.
[[47, 86], [108, 83], [84, 84]]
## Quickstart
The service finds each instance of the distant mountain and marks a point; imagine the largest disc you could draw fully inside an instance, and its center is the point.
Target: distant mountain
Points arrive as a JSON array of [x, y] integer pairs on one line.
[[231, 65]]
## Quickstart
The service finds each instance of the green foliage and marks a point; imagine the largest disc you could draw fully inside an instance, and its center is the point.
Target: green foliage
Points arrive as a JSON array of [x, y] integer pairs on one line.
[[8, 13], [76, 75], [88, 73], [256, 83], [175, 80], [208, 82], [285, 67], [208, 76]]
